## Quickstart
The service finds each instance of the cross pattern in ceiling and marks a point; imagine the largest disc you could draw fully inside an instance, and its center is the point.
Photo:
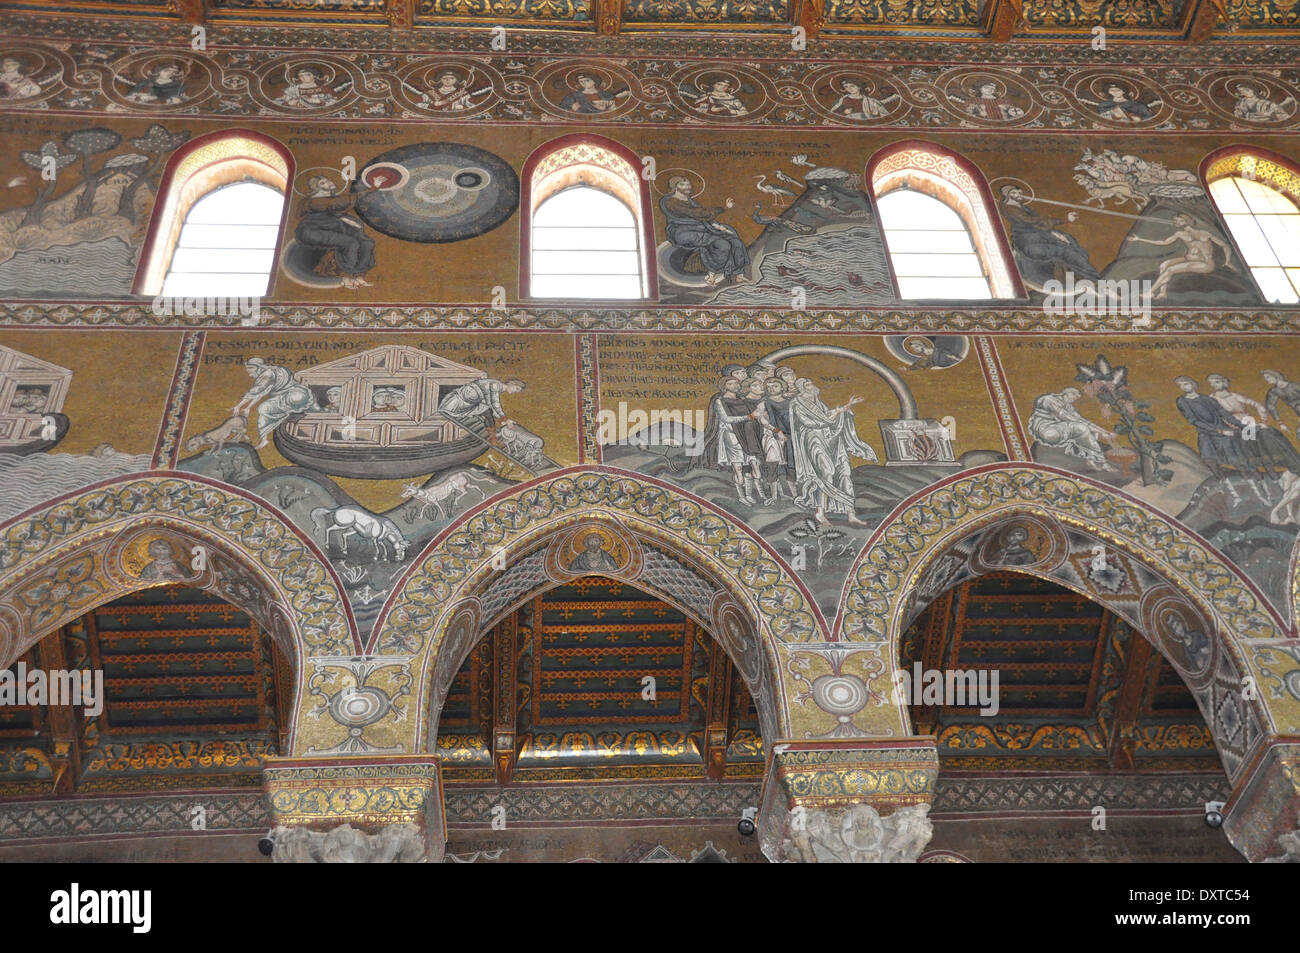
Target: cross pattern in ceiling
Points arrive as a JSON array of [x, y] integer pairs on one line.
[[192, 697], [1077, 686]]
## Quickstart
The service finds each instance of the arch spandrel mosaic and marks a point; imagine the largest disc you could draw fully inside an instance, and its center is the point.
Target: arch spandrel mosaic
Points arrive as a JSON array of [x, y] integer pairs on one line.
[[399, 411]]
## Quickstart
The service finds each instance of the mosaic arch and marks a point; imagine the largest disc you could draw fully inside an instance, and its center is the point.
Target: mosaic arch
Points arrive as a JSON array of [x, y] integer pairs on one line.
[[597, 544], [1202, 615], [63, 559], [443, 603]]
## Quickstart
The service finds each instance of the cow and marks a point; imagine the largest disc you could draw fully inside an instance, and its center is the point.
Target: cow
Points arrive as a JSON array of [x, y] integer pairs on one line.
[[443, 494]]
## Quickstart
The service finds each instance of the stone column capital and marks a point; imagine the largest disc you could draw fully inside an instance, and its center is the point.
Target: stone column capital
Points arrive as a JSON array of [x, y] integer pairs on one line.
[[359, 808], [859, 800]]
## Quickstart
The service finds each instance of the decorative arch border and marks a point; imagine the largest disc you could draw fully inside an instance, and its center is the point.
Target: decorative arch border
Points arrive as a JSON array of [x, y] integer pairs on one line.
[[1252, 162], [879, 592], [628, 185], [902, 546], [244, 153], [978, 210], [457, 565], [723, 618], [1248, 162], [305, 597]]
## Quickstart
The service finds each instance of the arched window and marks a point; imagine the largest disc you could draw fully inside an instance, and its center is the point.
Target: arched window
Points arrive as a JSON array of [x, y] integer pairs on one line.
[[586, 229], [218, 218], [1258, 194], [942, 238]]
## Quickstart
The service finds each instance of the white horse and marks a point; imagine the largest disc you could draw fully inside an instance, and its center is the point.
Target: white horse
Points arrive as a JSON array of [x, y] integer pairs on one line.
[[443, 494], [355, 521]]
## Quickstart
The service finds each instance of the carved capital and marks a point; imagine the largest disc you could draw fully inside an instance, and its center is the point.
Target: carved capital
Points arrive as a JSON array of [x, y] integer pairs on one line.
[[396, 844], [857, 835], [858, 802], [361, 809]]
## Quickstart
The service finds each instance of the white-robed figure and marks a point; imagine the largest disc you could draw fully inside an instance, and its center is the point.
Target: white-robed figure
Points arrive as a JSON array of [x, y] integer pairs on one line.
[[824, 439], [281, 394], [478, 403], [1055, 423]]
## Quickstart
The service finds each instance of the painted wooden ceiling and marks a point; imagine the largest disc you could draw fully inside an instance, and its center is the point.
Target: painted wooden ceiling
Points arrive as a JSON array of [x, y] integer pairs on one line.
[[1078, 687], [596, 680], [557, 692], [191, 698], [975, 20]]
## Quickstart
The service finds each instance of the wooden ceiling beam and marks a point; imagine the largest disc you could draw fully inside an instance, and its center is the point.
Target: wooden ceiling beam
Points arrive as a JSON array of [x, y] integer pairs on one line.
[[190, 11], [809, 14], [718, 720], [505, 644], [609, 17], [400, 13], [61, 720], [1007, 17], [1122, 743], [1208, 15]]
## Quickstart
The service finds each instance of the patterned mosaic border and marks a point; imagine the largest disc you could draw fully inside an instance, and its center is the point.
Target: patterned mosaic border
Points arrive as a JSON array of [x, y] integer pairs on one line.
[[391, 791], [963, 796], [894, 773], [529, 804], [222, 811], [694, 320], [279, 553], [444, 581], [1269, 50], [725, 549], [229, 81], [178, 401], [892, 562], [468, 807]]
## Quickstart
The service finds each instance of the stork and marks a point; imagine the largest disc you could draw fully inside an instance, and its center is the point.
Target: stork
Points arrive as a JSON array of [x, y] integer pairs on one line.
[[773, 190]]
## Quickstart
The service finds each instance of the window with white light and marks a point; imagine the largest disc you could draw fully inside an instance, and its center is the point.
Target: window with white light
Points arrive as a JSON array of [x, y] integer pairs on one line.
[[930, 248], [1265, 223], [586, 243], [227, 244], [217, 220], [587, 228], [941, 230]]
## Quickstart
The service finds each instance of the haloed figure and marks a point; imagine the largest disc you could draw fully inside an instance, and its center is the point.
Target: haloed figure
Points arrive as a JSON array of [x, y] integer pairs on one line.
[[328, 226]]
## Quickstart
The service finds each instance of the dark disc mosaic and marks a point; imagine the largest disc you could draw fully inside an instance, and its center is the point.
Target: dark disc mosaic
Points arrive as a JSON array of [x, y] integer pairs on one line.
[[436, 192]]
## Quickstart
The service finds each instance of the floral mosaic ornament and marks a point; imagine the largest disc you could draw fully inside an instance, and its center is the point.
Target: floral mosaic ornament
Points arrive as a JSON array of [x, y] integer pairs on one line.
[[41, 556], [892, 564]]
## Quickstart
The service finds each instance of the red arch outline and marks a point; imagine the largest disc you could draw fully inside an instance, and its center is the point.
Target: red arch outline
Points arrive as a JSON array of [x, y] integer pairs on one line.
[[526, 202], [986, 196], [166, 183]]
